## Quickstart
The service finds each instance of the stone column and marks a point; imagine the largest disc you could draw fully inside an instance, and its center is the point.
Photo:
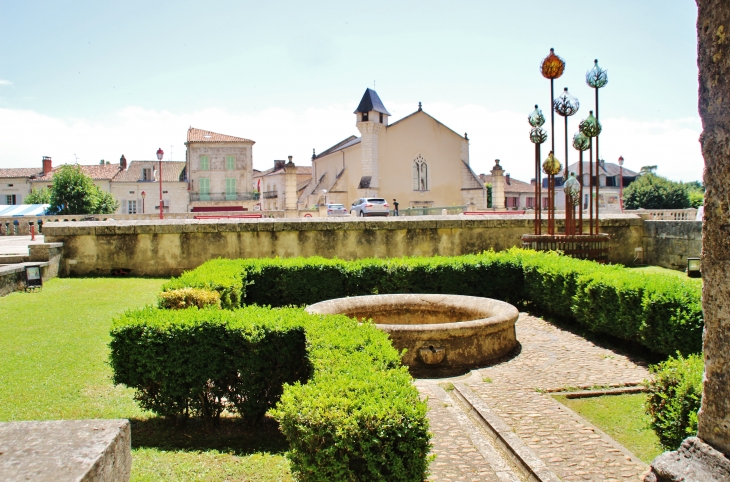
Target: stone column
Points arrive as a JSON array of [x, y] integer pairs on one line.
[[701, 458], [497, 186], [290, 190], [713, 24]]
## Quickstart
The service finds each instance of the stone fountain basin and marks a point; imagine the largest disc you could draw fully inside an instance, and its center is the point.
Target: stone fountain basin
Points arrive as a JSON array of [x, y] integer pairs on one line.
[[441, 333]]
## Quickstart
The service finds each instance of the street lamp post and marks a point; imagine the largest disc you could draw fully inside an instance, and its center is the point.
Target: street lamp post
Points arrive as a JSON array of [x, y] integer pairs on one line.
[[143, 195], [160, 153], [621, 182]]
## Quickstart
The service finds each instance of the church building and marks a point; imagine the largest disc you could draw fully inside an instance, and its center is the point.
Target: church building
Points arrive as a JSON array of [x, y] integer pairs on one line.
[[416, 160]]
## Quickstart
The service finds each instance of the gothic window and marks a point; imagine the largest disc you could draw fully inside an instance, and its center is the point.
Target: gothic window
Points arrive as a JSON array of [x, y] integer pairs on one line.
[[421, 181]]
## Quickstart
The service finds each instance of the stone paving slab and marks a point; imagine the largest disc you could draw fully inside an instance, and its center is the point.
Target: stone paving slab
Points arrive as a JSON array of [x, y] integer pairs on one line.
[[515, 390]]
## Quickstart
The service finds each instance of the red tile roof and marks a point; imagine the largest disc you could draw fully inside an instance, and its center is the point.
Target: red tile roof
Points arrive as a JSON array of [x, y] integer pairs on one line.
[[21, 172], [199, 135], [172, 171], [514, 186], [94, 171]]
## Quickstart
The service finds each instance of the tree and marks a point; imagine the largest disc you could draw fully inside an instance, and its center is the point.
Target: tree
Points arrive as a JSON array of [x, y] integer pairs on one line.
[[650, 191], [73, 192], [696, 192], [648, 170], [38, 196]]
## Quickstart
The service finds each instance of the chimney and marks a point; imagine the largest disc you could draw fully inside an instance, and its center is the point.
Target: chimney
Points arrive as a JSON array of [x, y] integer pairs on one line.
[[532, 181], [123, 163], [47, 165], [279, 165], [506, 177]]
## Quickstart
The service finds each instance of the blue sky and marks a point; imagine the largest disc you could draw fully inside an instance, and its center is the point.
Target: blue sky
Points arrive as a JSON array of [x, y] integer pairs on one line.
[[93, 80]]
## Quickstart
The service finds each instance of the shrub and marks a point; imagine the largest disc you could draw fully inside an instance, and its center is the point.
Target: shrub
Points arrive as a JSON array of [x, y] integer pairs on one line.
[[186, 297], [222, 275], [200, 362], [674, 398], [662, 313]]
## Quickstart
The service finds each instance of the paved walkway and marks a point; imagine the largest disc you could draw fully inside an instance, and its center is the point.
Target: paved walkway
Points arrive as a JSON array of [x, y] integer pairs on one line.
[[570, 447], [17, 244]]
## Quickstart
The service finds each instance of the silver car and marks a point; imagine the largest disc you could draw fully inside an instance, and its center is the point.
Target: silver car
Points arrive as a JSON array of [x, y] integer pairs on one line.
[[370, 206], [336, 210]]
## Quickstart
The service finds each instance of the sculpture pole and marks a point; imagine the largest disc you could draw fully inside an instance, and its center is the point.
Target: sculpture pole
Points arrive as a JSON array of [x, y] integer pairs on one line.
[[538, 136]]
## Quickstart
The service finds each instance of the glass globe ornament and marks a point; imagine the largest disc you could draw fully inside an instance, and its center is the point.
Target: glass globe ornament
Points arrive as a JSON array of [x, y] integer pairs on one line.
[[536, 119], [552, 165], [565, 104], [552, 66], [538, 135], [572, 189], [580, 142], [589, 126], [596, 77]]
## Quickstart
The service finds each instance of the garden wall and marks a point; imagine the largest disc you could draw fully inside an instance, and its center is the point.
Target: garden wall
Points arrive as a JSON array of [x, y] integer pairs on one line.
[[669, 243], [169, 247]]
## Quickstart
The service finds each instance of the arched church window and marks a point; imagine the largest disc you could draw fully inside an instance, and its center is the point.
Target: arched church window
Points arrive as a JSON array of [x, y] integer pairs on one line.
[[421, 181]]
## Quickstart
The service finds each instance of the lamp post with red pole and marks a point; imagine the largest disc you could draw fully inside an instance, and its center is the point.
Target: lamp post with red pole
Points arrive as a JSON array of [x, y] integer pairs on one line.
[[143, 195], [621, 182], [160, 153]]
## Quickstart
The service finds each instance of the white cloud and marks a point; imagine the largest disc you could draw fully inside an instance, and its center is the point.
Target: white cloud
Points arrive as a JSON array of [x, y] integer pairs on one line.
[[25, 136], [5, 82]]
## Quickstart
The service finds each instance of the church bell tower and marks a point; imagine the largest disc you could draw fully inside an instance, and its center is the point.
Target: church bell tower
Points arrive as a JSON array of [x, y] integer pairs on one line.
[[371, 119]]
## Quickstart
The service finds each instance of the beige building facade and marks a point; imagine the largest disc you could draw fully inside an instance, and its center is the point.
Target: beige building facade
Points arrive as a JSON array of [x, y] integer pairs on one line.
[[136, 187], [220, 171], [271, 183], [417, 160]]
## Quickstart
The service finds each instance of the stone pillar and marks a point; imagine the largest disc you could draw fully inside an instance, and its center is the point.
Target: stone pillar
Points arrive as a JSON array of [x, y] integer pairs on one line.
[[290, 190], [713, 24], [693, 457], [465, 149], [370, 132], [497, 186]]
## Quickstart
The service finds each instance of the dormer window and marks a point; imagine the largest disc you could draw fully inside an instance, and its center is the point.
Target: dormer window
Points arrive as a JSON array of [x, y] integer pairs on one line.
[[364, 116], [147, 174]]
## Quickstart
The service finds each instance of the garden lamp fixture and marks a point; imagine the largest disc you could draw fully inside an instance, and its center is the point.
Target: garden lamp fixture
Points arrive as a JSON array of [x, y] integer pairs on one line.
[[143, 195], [160, 153], [621, 183], [693, 268]]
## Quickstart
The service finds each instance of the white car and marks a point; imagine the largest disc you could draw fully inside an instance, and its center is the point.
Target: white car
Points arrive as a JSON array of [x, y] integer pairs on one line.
[[336, 210], [370, 206]]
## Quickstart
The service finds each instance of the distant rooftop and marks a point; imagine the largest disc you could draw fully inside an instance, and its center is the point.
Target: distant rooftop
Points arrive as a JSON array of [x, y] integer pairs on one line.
[[199, 135]]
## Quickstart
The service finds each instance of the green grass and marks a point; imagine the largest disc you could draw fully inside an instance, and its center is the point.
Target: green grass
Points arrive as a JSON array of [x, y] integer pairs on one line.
[[660, 270], [623, 418], [54, 366]]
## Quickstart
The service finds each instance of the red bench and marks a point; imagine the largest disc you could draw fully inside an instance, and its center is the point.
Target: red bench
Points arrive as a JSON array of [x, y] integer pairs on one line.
[[232, 216], [477, 213]]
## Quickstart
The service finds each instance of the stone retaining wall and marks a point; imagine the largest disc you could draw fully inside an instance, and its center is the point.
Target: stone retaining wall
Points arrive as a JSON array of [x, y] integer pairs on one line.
[[669, 243], [168, 247]]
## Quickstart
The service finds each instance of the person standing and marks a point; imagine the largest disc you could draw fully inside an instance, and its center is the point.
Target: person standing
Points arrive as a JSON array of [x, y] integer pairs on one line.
[[395, 208]]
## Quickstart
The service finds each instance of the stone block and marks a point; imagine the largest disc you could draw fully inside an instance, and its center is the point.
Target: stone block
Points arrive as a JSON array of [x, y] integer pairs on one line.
[[694, 461], [66, 450]]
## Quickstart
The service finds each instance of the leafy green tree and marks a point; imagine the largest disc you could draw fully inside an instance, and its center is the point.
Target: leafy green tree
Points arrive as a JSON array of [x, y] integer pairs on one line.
[[73, 192], [696, 192], [650, 191], [38, 196]]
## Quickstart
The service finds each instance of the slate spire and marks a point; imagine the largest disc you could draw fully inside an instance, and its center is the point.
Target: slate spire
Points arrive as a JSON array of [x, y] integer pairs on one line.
[[370, 101]]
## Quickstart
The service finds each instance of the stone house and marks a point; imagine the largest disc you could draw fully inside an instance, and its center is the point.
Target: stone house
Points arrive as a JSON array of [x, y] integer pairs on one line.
[[139, 177], [417, 160], [271, 184], [15, 182], [220, 171], [609, 188], [101, 174], [518, 195]]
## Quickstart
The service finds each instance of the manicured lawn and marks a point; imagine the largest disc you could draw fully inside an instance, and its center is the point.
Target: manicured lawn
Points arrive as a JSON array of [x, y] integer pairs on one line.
[[623, 418], [660, 270], [54, 366]]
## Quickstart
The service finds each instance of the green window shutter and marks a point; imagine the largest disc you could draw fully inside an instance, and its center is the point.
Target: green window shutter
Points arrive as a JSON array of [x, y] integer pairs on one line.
[[230, 163], [205, 186], [230, 189], [204, 163]]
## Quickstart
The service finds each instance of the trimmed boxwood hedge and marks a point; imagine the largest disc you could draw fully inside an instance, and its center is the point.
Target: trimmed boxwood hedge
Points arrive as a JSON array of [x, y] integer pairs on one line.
[[662, 313], [345, 403]]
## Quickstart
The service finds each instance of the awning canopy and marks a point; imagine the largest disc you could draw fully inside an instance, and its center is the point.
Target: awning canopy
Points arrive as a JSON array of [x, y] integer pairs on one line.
[[23, 209]]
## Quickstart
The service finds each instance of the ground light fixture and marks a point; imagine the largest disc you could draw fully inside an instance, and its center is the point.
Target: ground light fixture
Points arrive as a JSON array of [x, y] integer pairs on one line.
[[160, 153], [693, 268]]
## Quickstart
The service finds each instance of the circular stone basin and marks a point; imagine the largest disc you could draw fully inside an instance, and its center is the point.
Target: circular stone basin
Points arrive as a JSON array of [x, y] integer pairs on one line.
[[441, 333]]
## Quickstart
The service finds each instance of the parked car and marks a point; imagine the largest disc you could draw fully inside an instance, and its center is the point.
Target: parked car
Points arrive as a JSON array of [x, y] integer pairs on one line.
[[336, 210], [370, 206]]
